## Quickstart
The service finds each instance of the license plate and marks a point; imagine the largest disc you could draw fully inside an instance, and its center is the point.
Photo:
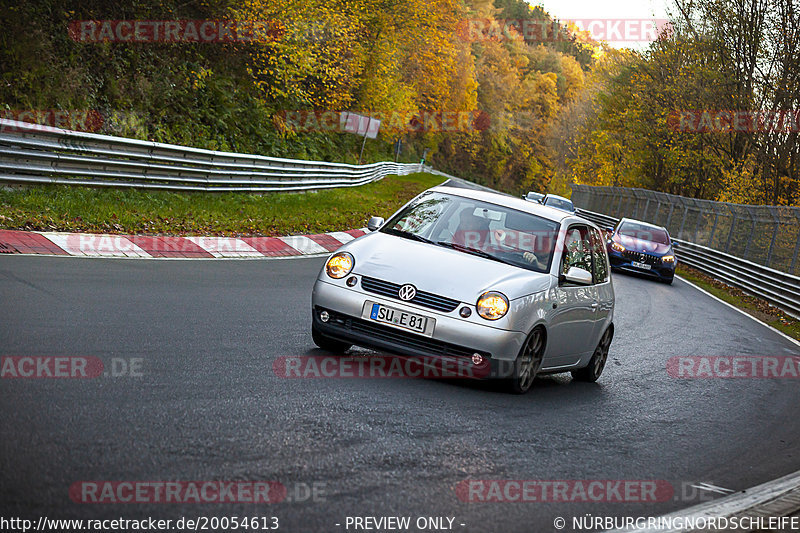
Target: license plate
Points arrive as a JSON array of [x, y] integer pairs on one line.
[[401, 319], [643, 266]]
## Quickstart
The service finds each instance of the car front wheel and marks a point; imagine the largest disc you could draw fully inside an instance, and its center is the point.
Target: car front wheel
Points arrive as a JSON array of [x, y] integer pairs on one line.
[[528, 362], [597, 363]]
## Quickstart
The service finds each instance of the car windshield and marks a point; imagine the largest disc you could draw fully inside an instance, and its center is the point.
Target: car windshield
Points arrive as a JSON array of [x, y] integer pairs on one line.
[[488, 230], [644, 232], [559, 203]]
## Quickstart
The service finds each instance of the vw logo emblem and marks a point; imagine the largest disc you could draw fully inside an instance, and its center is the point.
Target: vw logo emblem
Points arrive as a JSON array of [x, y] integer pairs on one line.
[[643, 257], [407, 292]]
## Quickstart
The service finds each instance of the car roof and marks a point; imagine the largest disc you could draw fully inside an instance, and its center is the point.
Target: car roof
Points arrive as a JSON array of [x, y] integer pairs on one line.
[[643, 223], [549, 213]]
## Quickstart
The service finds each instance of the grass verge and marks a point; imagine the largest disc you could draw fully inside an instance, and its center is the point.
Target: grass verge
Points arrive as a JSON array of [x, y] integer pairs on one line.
[[133, 211], [751, 305]]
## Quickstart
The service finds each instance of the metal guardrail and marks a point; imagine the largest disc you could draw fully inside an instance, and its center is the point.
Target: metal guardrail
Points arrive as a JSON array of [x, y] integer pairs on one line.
[[30, 153], [766, 235], [778, 288]]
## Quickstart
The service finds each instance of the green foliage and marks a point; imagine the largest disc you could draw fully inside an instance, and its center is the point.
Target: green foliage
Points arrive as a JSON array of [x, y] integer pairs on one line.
[[135, 211], [370, 56], [628, 130]]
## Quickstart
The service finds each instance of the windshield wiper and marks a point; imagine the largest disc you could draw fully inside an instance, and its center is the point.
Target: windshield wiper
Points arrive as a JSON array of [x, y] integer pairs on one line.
[[407, 235], [474, 251]]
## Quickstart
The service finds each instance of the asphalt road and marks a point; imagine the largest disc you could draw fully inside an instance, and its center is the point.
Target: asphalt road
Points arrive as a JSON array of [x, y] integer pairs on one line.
[[208, 405]]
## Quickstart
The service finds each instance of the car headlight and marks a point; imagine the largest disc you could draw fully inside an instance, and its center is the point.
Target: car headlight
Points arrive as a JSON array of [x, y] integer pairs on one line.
[[492, 305], [617, 247], [339, 265], [668, 258]]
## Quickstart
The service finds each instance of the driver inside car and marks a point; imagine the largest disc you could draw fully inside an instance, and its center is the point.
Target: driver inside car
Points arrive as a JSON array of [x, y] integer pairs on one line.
[[518, 241]]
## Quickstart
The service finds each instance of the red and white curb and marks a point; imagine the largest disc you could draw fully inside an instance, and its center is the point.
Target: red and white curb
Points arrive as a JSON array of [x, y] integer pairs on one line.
[[101, 245]]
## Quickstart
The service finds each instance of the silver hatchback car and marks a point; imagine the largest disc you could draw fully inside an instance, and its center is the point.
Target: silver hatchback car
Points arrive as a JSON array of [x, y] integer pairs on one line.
[[475, 277]]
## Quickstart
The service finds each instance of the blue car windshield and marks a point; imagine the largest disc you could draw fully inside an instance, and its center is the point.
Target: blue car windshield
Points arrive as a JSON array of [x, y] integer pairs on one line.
[[491, 231], [564, 205], [644, 232]]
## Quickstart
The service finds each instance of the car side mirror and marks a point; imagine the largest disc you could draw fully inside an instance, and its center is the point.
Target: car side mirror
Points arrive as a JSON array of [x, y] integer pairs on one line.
[[675, 244], [578, 276], [375, 223], [609, 230]]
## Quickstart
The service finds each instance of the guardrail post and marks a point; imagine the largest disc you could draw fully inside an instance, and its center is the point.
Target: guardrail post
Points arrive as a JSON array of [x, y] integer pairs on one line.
[[697, 224], [713, 229], [683, 221], [750, 236], [730, 233], [772, 242], [749, 240]]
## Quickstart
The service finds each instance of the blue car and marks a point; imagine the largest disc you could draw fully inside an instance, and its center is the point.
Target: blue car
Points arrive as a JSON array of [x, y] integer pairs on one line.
[[643, 248]]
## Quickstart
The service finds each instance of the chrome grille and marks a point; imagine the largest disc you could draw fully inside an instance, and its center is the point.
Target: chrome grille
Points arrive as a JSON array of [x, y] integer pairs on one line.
[[642, 257], [424, 299]]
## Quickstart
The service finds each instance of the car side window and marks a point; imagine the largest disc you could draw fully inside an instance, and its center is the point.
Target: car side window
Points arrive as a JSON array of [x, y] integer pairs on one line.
[[600, 261], [577, 249]]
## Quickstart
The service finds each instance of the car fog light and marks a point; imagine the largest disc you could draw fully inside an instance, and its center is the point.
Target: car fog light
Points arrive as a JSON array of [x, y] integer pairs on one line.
[[351, 281], [465, 312], [477, 359], [324, 316]]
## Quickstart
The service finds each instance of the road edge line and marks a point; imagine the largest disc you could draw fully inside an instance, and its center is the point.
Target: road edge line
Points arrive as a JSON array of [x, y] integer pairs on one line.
[[748, 315]]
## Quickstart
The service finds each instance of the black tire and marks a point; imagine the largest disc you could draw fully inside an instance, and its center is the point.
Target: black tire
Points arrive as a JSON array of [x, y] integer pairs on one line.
[[668, 281], [328, 344], [528, 362], [591, 372]]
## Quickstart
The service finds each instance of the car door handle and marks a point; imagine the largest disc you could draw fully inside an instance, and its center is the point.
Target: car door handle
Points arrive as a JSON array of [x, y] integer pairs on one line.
[[595, 305]]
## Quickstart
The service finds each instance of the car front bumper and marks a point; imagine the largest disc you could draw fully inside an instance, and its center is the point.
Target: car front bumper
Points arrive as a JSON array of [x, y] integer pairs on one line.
[[453, 336], [661, 271]]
